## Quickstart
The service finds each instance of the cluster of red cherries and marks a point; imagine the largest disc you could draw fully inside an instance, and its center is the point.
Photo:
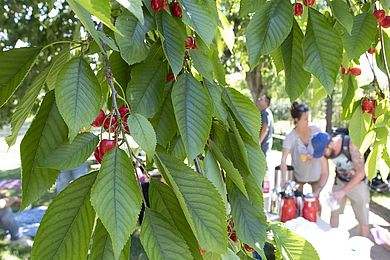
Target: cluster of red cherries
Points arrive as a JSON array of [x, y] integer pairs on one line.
[[110, 124], [157, 5], [233, 236], [368, 106], [382, 18], [353, 71], [298, 7]]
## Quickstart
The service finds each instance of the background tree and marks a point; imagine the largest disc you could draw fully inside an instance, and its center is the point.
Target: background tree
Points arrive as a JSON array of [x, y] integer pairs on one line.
[[151, 70]]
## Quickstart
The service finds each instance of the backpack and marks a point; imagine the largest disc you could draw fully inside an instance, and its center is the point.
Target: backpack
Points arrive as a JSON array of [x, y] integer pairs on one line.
[[346, 139]]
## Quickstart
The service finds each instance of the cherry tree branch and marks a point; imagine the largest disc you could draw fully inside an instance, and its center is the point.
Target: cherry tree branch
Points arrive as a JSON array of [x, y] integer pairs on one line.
[[110, 82], [384, 58]]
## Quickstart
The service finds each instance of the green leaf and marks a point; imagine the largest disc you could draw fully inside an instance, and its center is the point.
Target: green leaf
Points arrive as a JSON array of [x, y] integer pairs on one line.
[[191, 103], [24, 107], [14, 66], [116, 197], [277, 58], [244, 110], [213, 173], [160, 239], [228, 166], [226, 31], [78, 95], [135, 7], [237, 153], [56, 66], [296, 78], [146, 87], [200, 201], [319, 92], [47, 131], [108, 41], [163, 200], [215, 92], [202, 63], [292, 245], [322, 50], [65, 230], [177, 148], [249, 221], [85, 18], [359, 126], [342, 13], [218, 68], [99, 8], [363, 35], [120, 69], [257, 161], [199, 15], [268, 28], [143, 133], [348, 96], [173, 39], [132, 44], [102, 246], [69, 156], [165, 123], [372, 161], [249, 6]]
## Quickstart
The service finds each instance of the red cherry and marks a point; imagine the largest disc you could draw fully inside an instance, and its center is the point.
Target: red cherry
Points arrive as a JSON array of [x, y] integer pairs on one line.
[[308, 2], [106, 124], [127, 129], [98, 155], [170, 76], [379, 14], [124, 112], [368, 105], [106, 145], [191, 43], [355, 71], [371, 50], [248, 248], [298, 9], [176, 9], [165, 5], [385, 22], [157, 5], [343, 70], [99, 119]]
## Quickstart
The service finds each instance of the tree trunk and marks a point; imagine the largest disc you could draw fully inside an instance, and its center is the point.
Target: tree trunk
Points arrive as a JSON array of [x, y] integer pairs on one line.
[[329, 113], [255, 83]]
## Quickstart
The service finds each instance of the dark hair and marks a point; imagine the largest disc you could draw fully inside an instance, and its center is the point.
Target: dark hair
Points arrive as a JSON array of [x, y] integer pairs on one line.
[[267, 99], [298, 109]]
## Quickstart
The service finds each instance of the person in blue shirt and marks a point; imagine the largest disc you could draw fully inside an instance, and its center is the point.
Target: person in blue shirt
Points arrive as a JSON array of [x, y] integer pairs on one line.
[[267, 124]]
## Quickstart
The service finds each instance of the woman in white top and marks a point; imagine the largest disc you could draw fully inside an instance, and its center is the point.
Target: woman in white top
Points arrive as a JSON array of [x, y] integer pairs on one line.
[[298, 143]]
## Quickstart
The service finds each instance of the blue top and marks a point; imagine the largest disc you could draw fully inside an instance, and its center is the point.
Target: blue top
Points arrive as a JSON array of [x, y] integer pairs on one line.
[[267, 119]]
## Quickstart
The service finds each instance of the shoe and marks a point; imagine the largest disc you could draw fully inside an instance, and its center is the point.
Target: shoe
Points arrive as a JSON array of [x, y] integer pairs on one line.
[[23, 241]]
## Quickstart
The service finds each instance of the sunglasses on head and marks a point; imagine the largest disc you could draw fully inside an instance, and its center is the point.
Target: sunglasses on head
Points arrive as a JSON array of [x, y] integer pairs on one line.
[[303, 108]]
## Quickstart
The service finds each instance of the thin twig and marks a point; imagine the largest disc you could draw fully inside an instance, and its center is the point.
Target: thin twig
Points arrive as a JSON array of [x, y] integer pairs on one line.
[[384, 58], [109, 77], [115, 104]]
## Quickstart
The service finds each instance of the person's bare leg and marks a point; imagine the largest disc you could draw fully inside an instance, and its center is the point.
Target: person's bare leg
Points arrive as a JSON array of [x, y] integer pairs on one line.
[[334, 221], [364, 230]]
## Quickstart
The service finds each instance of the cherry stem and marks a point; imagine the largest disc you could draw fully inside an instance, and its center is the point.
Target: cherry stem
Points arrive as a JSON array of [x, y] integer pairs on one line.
[[109, 76], [384, 57]]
